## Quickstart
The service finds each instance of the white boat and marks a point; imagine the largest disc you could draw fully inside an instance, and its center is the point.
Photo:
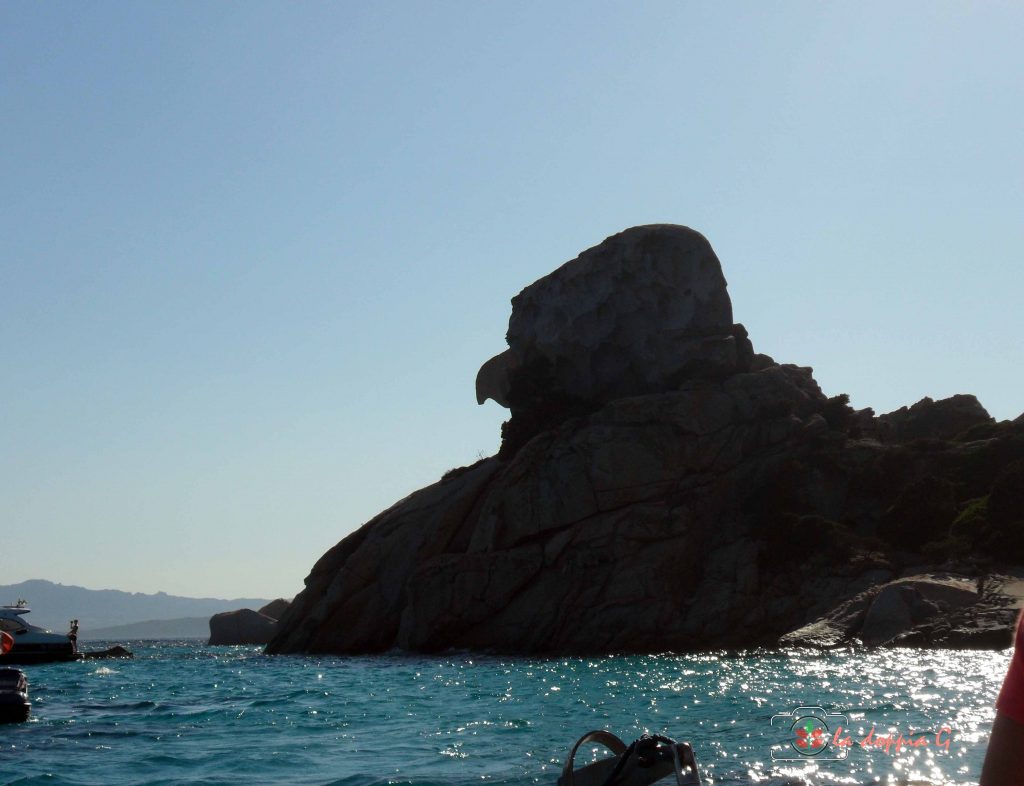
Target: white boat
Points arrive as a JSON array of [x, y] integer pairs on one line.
[[33, 644]]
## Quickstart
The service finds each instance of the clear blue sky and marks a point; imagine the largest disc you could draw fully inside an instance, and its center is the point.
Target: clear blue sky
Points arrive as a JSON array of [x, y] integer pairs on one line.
[[252, 254]]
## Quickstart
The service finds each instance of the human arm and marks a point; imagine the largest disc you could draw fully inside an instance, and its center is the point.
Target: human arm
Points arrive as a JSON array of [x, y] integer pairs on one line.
[[1004, 759]]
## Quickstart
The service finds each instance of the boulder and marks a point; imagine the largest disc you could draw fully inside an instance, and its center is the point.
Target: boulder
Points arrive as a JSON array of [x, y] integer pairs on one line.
[[243, 626], [924, 610], [636, 314], [902, 604], [117, 651]]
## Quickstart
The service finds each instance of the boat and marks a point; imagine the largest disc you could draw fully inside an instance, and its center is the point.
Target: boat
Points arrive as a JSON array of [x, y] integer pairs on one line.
[[14, 704], [33, 644], [645, 761]]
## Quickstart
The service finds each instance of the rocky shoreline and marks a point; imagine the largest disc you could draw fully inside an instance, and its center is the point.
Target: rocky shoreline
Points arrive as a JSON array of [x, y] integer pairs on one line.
[[937, 610], [662, 487]]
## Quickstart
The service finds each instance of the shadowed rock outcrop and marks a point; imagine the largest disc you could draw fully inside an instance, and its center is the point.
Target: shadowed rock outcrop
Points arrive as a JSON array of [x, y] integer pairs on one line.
[[637, 314], [666, 488], [929, 419], [937, 610], [243, 626], [117, 651], [246, 626], [275, 609]]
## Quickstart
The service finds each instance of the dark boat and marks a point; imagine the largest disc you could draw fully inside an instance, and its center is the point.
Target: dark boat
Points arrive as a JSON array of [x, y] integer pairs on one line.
[[14, 703], [645, 761]]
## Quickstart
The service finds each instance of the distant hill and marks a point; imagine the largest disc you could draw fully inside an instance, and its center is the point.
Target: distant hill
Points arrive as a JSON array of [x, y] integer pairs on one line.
[[53, 605], [183, 628]]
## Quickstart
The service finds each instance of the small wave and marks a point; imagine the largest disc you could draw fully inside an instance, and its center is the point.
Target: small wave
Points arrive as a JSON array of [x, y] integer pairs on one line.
[[117, 707]]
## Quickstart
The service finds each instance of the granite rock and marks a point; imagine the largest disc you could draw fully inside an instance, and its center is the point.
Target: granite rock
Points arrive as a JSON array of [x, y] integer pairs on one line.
[[925, 610], [661, 486], [243, 626], [929, 419], [275, 609], [626, 530], [636, 314]]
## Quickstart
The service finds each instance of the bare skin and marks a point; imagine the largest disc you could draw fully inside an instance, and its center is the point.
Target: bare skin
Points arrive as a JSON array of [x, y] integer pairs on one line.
[[1004, 759]]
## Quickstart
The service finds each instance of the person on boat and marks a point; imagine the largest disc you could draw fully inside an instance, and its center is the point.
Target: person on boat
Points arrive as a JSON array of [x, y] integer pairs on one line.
[[1004, 759]]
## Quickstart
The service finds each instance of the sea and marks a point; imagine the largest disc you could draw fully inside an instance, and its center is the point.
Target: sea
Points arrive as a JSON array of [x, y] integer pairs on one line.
[[186, 713]]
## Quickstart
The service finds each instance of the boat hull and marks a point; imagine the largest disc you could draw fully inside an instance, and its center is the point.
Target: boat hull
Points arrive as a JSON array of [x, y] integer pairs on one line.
[[54, 653], [15, 711], [14, 703]]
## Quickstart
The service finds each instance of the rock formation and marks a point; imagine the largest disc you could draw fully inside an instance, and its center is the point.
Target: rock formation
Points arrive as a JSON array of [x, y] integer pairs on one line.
[[661, 487], [275, 609], [645, 309], [246, 626], [938, 610], [929, 419], [639, 313], [117, 651]]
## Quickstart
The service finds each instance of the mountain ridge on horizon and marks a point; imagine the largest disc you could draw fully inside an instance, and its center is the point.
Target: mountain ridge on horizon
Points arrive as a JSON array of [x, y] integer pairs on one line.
[[54, 604]]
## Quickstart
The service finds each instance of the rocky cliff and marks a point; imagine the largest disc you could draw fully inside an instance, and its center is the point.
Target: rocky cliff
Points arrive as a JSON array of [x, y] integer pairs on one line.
[[662, 487]]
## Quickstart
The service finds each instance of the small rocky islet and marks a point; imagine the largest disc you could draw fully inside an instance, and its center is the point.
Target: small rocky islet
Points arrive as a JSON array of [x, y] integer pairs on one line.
[[661, 486]]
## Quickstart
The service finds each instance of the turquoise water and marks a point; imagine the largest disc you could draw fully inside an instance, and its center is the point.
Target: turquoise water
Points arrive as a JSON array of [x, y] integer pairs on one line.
[[185, 713]]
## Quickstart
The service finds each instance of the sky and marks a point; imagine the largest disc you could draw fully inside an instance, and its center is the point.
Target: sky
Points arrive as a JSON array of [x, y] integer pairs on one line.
[[252, 254]]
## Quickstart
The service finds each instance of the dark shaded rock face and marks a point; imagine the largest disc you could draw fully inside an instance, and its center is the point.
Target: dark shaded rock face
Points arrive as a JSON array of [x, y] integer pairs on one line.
[[244, 626], [730, 505], [630, 316], [637, 314], [936, 610], [929, 419], [117, 651], [275, 609]]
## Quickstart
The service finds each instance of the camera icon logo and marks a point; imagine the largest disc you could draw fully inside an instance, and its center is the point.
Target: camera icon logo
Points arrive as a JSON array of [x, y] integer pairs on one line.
[[810, 734]]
